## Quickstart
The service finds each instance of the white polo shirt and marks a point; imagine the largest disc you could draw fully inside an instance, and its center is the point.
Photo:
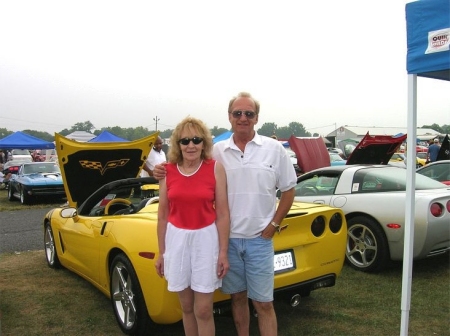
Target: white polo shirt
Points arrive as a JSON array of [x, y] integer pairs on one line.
[[153, 159], [253, 177]]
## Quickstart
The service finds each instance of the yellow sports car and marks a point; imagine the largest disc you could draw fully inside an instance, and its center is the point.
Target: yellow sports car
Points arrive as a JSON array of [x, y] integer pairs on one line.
[[107, 235]]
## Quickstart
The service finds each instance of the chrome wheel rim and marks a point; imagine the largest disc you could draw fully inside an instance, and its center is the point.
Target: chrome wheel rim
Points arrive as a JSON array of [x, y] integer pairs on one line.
[[123, 296], [361, 246], [49, 245]]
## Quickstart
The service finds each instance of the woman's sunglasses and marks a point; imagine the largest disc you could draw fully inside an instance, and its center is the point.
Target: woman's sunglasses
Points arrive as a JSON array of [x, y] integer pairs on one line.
[[186, 141]]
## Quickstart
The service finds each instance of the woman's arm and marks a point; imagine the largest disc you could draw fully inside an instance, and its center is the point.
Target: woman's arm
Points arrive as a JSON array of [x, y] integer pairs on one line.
[[222, 219], [163, 213]]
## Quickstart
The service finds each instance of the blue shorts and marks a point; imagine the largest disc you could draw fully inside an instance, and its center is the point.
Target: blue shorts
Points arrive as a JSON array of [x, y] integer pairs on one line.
[[251, 268]]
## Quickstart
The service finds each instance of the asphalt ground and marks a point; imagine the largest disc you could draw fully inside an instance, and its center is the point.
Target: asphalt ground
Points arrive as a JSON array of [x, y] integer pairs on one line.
[[22, 230]]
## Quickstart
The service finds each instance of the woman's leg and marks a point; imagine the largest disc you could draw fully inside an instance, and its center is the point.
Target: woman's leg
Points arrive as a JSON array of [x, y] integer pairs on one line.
[[186, 297], [203, 308]]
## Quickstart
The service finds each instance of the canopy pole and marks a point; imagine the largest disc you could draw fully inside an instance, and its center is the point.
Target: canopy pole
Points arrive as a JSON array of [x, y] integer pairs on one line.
[[408, 251]]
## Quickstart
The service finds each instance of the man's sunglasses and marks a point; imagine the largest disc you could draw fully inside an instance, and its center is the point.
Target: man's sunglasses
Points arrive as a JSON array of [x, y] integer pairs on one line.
[[186, 141], [248, 114]]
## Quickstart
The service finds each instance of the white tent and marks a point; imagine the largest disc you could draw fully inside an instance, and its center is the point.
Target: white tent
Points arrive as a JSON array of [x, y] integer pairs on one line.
[[80, 136], [428, 40]]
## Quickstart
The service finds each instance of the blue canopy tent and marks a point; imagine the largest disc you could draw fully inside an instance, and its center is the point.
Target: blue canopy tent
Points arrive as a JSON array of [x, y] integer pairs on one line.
[[20, 140], [223, 136], [106, 136], [428, 55]]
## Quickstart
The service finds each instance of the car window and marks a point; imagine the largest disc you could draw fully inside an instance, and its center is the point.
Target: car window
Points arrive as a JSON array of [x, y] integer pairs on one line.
[[388, 179], [438, 172], [317, 185], [20, 152]]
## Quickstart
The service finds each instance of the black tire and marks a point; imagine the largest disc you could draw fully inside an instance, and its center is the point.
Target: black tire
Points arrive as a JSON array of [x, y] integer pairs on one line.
[[367, 248], [10, 194], [49, 247], [127, 298], [24, 197]]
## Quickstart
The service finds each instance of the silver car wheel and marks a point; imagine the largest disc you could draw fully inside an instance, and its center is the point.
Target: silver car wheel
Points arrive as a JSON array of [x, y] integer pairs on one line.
[[127, 298], [122, 295], [49, 246], [367, 248], [361, 246]]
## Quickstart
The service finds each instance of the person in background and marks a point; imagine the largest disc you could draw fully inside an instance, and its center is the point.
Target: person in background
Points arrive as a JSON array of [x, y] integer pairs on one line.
[[193, 225], [433, 151], [256, 166], [156, 156]]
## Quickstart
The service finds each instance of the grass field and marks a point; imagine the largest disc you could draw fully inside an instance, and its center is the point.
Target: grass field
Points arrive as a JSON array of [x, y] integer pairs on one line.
[[37, 300]]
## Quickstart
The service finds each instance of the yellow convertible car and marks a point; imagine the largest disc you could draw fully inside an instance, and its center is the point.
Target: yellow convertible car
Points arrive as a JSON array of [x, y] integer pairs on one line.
[[107, 235]]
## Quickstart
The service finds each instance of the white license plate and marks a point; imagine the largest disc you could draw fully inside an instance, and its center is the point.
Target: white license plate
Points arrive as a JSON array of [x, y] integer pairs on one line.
[[282, 261]]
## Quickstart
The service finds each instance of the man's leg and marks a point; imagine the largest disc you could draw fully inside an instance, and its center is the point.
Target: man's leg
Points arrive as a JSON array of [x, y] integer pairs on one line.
[[241, 313], [267, 319]]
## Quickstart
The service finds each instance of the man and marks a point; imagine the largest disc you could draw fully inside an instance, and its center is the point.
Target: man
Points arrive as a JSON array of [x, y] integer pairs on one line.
[[155, 157], [256, 166], [433, 150]]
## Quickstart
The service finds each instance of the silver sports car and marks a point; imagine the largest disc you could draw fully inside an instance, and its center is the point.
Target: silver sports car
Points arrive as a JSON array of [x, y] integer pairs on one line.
[[373, 200]]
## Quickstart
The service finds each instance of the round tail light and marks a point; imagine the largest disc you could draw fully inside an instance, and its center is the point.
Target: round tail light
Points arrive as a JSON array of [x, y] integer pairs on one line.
[[436, 209]]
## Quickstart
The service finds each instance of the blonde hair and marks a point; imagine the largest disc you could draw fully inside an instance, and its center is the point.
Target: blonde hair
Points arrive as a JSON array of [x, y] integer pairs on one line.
[[244, 95], [197, 127]]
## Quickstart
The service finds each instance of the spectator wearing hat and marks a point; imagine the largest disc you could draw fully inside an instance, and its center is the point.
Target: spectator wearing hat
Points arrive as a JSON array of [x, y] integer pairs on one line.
[[433, 151]]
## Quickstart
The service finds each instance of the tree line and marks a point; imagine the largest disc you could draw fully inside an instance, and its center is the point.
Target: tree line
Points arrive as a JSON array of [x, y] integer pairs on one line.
[[267, 129]]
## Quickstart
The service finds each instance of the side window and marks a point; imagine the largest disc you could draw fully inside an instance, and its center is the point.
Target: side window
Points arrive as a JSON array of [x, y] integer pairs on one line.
[[306, 185], [326, 185]]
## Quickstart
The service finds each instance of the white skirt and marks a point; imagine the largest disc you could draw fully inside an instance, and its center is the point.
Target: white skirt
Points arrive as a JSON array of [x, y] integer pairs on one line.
[[190, 259]]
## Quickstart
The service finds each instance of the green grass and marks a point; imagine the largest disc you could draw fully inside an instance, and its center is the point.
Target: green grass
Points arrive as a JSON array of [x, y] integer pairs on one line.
[[37, 300], [7, 205]]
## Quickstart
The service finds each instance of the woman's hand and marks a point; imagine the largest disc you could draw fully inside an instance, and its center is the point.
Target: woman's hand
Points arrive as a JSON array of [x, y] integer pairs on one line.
[[159, 265], [222, 265]]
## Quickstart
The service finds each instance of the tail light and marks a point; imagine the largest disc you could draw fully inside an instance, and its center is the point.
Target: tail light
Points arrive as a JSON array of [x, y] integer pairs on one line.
[[437, 209], [318, 226], [336, 222]]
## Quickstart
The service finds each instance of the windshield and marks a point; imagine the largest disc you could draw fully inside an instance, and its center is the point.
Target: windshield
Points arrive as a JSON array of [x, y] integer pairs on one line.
[[20, 152]]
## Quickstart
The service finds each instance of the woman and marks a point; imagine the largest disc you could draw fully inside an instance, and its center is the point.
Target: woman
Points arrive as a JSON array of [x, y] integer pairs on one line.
[[193, 225]]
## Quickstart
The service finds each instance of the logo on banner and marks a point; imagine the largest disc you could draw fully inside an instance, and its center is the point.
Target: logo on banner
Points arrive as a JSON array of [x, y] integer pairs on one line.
[[438, 40]]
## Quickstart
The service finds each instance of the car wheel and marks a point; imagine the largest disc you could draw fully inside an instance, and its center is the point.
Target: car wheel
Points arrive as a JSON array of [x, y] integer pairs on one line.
[[49, 246], [10, 194], [127, 298], [24, 197], [367, 248]]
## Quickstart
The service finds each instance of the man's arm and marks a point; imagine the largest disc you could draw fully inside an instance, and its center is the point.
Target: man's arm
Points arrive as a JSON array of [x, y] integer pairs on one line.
[[159, 172], [147, 169]]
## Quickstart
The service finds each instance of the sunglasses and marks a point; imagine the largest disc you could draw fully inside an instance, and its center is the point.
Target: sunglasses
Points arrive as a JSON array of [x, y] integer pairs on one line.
[[248, 114], [186, 141]]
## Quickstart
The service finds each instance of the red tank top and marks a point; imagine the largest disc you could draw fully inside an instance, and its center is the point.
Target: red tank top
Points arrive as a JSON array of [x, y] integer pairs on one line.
[[191, 198]]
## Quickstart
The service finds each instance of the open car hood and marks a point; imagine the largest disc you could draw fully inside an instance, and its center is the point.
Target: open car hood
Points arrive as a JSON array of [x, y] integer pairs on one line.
[[311, 153], [377, 149], [86, 166]]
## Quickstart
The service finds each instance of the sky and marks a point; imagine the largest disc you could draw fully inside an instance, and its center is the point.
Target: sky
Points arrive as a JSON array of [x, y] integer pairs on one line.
[[324, 64]]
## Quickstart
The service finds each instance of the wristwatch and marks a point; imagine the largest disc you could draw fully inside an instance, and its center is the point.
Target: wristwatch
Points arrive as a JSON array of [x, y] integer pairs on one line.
[[275, 225]]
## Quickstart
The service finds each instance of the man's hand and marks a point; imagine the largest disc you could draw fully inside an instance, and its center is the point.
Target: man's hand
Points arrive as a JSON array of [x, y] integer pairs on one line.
[[159, 172]]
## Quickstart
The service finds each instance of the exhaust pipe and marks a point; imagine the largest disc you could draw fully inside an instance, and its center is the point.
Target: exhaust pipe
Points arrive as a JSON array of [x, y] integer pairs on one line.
[[295, 300]]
